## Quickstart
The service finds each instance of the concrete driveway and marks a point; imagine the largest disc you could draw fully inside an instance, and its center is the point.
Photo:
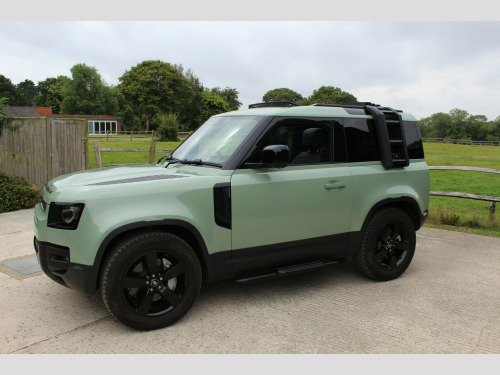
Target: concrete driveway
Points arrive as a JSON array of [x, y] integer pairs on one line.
[[448, 301]]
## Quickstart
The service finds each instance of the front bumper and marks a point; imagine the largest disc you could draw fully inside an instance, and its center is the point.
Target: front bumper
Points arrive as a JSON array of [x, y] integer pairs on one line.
[[55, 263]]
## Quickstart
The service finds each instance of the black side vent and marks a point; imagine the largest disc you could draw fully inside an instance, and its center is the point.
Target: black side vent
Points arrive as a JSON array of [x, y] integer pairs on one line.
[[222, 205]]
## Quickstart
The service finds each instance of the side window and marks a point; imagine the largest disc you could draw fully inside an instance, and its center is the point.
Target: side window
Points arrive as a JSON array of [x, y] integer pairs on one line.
[[309, 141], [413, 140], [361, 140]]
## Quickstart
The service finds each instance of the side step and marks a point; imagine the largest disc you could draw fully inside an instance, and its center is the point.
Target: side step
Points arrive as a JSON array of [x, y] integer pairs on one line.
[[290, 270]]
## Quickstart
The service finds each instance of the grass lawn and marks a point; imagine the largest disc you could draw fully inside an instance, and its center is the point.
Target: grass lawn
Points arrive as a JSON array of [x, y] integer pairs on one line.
[[463, 214], [126, 157]]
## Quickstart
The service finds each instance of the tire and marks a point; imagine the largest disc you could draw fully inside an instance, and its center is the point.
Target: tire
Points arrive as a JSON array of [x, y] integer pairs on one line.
[[387, 246], [150, 280]]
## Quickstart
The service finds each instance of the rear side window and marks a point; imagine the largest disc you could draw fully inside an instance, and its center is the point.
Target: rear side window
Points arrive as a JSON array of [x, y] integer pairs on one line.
[[361, 140], [413, 140]]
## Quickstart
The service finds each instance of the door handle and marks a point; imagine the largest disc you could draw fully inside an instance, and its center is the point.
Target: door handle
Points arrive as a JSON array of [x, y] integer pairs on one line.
[[334, 185]]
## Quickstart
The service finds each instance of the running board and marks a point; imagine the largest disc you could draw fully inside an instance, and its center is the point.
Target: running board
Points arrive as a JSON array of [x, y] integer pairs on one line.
[[290, 270]]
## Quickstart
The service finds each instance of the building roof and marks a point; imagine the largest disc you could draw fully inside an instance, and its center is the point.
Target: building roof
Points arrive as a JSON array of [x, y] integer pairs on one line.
[[44, 111], [21, 111]]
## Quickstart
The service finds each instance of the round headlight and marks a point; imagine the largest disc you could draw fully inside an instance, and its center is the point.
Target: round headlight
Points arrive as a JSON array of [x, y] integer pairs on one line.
[[69, 213]]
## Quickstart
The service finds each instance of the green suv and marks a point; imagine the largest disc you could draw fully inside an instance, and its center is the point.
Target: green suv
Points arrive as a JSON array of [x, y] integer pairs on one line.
[[254, 194]]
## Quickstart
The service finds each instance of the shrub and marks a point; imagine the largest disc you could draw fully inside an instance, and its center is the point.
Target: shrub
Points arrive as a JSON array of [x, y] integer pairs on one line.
[[16, 193], [168, 128]]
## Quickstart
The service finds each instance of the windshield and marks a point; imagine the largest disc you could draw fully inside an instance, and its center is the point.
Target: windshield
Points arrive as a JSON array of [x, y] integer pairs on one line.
[[216, 140]]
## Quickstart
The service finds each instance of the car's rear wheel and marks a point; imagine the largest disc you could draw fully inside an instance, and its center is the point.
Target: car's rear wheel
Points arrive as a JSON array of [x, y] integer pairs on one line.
[[388, 245], [150, 280]]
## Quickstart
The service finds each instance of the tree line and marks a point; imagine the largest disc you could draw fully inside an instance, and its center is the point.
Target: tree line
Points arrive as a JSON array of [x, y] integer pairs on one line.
[[148, 94], [459, 124], [158, 95]]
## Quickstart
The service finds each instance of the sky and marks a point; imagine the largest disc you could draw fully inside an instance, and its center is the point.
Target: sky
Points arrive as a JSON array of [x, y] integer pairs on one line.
[[419, 66]]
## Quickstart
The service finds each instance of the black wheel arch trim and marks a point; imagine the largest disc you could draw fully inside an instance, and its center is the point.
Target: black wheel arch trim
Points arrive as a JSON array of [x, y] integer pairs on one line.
[[211, 270]]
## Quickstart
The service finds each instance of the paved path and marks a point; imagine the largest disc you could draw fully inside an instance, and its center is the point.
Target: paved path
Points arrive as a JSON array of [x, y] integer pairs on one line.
[[448, 301]]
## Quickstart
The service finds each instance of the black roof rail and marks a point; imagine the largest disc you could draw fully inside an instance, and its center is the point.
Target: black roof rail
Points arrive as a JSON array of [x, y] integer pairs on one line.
[[272, 104], [361, 105]]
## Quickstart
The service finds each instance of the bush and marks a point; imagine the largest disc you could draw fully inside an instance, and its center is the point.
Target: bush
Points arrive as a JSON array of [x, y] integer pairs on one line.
[[16, 193], [168, 128]]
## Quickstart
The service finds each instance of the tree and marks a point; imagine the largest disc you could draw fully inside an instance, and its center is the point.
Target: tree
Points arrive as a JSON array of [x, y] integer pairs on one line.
[[168, 127], [4, 119], [8, 90], [26, 92], [87, 94], [435, 126], [283, 94], [458, 124], [330, 95], [211, 105], [50, 93], [154, 86], [192, 108], [229, 95]]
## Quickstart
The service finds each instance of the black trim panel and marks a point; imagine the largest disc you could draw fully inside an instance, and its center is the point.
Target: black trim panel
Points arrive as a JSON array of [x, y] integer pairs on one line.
[[54, 261], [222, 204], [266, 258]]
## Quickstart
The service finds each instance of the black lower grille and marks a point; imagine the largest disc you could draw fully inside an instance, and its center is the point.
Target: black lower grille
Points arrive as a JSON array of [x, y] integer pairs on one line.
[[53, 259]]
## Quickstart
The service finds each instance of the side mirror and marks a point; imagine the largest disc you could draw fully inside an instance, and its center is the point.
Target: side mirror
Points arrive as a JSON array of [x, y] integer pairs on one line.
[[276, 156]]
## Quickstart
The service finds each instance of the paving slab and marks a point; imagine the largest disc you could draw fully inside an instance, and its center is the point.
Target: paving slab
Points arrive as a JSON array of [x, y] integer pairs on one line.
[[446, 302]]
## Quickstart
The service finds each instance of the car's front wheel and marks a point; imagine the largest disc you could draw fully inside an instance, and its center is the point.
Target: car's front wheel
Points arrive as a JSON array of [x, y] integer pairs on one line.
[[150, 280], [388, 245]]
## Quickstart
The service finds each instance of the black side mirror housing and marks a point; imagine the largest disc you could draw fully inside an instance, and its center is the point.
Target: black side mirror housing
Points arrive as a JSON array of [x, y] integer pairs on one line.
[[276, 156]]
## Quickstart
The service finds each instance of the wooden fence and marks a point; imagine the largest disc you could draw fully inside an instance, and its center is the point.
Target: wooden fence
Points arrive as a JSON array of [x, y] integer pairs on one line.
[[462, 141], [152, 151], [486, 198], [132, 133], [39, 149]]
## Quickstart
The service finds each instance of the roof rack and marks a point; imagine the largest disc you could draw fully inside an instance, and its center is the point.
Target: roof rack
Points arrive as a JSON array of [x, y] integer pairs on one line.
[[272, 104], [361, 105]]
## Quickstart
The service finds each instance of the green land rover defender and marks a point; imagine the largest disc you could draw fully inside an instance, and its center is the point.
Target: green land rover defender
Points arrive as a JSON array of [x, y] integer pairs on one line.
[[260, 193]]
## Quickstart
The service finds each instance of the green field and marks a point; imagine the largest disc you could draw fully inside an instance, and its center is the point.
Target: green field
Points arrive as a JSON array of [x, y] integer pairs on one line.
[[447, 213], [457, 213], [126, 157]]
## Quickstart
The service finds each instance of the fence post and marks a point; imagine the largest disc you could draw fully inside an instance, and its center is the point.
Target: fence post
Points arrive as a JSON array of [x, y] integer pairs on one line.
[[86, 150], [152, 152], [131, 135], [492, 212], [152, 135], [107, 135], [97, 153]]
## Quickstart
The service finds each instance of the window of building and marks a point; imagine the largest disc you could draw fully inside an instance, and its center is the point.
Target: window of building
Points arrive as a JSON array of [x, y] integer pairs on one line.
[[101, 127]]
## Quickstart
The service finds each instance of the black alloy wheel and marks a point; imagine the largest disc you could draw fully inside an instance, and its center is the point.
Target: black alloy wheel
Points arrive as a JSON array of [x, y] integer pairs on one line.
[[388, 245], [150, 280]]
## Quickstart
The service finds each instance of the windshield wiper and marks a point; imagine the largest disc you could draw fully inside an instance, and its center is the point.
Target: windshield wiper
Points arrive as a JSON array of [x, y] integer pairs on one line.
[[199, 162]]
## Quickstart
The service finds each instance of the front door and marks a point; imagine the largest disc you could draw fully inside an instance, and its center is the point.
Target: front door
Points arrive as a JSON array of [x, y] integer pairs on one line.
[[296, 213]]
